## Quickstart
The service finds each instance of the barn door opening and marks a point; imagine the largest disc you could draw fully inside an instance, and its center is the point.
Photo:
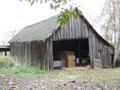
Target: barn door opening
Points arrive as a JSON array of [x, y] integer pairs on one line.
[[71, 53]]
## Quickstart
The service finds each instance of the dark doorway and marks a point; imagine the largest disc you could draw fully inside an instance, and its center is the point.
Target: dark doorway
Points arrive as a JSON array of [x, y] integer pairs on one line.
[[77, 48]]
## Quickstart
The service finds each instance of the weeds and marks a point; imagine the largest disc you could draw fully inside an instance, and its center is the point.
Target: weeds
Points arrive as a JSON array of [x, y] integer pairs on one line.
[[98, 75], [6, 61], [22, 71], [9, 67]]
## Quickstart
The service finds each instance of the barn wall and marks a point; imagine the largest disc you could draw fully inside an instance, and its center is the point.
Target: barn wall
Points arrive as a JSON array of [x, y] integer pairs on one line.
[[21, 51], [78, 29], [49, 53], [74, 29], [99, 51], [41, 53], [35, 53], [91, 46], [103, 52]]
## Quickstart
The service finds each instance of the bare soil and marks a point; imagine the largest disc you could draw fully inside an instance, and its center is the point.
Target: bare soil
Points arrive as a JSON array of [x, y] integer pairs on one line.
[[54, 82]]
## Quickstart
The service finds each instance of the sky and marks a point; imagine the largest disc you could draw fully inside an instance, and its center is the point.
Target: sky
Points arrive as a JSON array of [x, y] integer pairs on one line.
[[15, 15]]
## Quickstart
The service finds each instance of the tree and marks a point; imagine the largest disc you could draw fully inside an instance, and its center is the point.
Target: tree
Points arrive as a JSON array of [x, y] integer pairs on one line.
[[65, 14], [112, 25], [54, 4]]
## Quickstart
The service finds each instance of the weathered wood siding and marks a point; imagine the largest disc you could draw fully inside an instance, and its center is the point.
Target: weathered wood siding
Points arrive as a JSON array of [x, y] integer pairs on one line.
[[100, 51], [35, 53], [21, 51], [41, 53], [103, 52], [74, 29]]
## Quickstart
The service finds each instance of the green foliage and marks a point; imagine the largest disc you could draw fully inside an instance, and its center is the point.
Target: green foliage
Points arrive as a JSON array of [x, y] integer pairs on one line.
[[54, 2], [54, 6], [22, 70], [6, 61], [71, 13], [9, 66]]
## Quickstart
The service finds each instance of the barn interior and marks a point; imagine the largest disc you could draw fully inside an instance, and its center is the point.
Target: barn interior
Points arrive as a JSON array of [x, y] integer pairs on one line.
[[71, 53]]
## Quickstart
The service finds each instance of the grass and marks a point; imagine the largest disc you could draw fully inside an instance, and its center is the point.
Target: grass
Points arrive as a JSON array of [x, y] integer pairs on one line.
[[8, 66], [6, 61], [22, 71], [98, 75]]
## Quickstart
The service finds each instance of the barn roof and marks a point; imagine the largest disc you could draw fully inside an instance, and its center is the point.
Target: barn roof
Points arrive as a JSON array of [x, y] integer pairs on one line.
[[39, 31], [43, 30]]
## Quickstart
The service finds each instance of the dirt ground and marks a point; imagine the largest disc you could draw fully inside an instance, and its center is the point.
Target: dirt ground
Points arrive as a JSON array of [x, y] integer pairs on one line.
[[53, 81]]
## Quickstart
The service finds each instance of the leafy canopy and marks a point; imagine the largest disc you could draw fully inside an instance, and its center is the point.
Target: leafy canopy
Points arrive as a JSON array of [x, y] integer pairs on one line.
[[71, 13], [65, 14], [53, 3]]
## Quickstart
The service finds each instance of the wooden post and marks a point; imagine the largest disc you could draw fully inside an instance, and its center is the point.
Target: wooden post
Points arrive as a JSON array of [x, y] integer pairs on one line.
[[5, 53]]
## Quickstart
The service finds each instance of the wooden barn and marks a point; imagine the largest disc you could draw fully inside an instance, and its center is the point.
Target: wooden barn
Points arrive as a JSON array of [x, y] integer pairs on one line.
[[47, 45]]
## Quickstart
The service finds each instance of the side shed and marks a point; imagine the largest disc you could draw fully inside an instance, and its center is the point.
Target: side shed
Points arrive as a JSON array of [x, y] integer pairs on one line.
[[5, 49], [40, 44]]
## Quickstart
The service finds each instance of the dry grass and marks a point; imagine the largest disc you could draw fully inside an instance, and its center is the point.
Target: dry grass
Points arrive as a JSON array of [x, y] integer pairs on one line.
[[99, 75], [6, 61], [10, 66]]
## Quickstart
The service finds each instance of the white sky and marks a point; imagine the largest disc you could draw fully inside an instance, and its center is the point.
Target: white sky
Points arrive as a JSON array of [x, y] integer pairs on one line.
[[14, 15]]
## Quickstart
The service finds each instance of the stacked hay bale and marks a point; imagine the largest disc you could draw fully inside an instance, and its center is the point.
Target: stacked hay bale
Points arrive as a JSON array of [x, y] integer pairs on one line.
[[68, 58]]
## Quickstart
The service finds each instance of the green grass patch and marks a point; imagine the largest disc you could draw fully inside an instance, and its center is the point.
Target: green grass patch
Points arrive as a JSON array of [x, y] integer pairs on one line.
[[9, 67], [98, 75], [22, 71]]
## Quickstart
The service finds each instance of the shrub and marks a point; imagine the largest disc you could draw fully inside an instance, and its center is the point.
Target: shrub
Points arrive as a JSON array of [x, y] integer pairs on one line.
[[6, 61]]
